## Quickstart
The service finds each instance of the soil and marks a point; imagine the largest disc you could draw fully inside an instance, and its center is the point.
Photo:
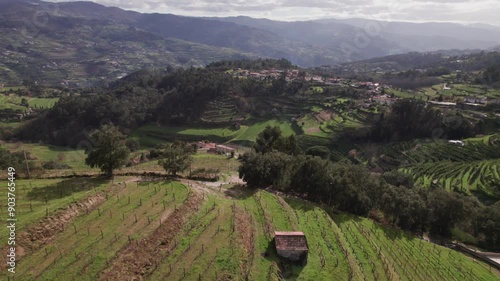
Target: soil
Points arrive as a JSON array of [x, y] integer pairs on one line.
[[313, 130], [245, 231], [324, 115], [141, 257], [43, 232]]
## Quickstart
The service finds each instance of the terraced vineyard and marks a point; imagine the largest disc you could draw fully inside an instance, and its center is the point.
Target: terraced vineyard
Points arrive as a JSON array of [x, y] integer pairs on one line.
[[473, 167], [158, 230]]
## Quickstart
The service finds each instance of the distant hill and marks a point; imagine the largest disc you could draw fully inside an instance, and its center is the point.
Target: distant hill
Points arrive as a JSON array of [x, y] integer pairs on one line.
[[465, 60], [81, 43], [383, 37], [429, 36]]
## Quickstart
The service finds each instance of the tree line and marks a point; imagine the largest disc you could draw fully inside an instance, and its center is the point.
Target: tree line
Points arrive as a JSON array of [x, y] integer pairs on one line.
[[258, 64], [391, 198], [172, 97], [409, 119]]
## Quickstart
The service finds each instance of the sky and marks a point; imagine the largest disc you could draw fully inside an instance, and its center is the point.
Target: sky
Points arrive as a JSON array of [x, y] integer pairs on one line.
[[464, 11]]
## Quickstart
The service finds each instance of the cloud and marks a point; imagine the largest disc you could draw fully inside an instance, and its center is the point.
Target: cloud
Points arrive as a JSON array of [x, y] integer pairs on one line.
[[484, 11]]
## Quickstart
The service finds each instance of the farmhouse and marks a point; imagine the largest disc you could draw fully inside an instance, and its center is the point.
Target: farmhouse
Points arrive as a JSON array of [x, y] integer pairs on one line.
[[383, 99], [221, 149], [205, 145], [457, 142], [291, 245], [442, 103], [476, 100]]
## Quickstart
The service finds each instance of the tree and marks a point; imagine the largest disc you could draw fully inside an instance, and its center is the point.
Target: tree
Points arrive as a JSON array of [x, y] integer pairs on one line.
[[109, 151], [266, 140], [260, 170], [175, 159], [446, 209], [24, 102], [133, 144], [8, 159], [320, 151], [271, 139]]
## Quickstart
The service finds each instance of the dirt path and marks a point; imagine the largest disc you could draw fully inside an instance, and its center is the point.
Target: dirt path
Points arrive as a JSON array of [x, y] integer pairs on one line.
[[141, 257], [244, 227]]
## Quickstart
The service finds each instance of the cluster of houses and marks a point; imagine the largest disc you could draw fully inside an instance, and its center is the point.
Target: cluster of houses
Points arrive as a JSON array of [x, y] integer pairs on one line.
[[468, 102], [290, 75], [480, 101]]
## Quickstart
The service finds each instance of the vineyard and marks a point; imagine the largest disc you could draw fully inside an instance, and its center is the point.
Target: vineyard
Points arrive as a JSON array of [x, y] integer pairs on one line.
[[472, 167], [96, 229]]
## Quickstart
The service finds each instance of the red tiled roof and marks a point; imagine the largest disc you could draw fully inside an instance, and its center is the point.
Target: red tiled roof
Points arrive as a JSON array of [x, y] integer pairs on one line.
[[224, 147]]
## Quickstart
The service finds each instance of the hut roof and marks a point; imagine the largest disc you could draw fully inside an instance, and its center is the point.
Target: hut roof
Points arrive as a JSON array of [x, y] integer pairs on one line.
[[295, 241]]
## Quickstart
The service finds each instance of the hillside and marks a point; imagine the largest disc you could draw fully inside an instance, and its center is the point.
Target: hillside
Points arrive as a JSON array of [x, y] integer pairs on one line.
[[94, 229], [82, 43], [430, 36], [370, 38], [75, 47]]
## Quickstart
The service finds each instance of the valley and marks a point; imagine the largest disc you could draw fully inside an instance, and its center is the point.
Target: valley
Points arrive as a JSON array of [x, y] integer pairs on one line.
[[150, 146]]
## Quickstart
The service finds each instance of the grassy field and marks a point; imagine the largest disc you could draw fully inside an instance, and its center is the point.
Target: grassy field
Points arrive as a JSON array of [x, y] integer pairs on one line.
[[10, 124], [151, 135], [191, 231], [251, 133], [75, 158], [11, 102], [14, 102], [456, 92], [42, 102]]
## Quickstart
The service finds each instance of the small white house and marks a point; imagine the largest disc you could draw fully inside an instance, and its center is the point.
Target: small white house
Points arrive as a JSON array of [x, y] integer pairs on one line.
[[477, 100], [457, 142]]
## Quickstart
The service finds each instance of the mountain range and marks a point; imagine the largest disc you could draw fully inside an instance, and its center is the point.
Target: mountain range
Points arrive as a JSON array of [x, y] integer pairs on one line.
[[85, 42]]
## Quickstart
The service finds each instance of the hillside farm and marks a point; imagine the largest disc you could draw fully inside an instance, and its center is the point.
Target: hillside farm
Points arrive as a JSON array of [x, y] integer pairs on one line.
[[88, 229], [472, 167]]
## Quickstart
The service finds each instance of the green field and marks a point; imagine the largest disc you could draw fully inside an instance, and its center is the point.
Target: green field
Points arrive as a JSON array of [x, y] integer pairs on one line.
[[42, 102], [14, 102], [159, 229], [75, 158], [10, 124], [11, 102], [151, 135]]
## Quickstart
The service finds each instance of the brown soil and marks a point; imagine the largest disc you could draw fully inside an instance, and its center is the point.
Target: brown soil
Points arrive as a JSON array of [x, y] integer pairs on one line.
[[324, 115], [140, 258], [244, 228], [43, 232], [313, 130]]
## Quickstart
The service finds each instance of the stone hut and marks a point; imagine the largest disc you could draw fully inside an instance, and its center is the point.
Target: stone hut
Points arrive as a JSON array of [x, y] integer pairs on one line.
[[291, 245]]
